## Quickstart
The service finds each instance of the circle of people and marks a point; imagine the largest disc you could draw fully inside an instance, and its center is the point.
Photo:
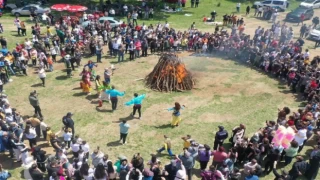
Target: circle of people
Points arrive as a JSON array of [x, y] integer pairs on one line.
[[271, 50]]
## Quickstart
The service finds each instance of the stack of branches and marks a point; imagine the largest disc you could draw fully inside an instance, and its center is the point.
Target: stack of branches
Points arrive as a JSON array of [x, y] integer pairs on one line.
[[170, 74]]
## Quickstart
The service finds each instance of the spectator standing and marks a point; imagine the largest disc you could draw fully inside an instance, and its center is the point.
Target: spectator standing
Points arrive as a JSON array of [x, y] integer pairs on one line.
[[247, 10], [197, 3], [134, 18], [221, 135], [69, 123], [302, 17], [238, 7], [33, 99], [188, 163], [298, 168], [124, 130]]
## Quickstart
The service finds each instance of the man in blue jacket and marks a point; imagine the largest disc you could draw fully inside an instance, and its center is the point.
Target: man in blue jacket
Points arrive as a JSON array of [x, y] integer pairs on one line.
[[221, 135], [114, 96]]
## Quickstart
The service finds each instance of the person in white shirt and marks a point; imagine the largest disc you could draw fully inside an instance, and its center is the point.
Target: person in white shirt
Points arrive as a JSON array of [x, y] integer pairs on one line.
[[125, 9], [181, 173], [42, 76], [75, 147], [85, 16], [31, 135], [17, 23], [306, 54], [134, 18], [166, 25], [112, 12], [67, 135], [238, 7], [86, 148], [300, 137]]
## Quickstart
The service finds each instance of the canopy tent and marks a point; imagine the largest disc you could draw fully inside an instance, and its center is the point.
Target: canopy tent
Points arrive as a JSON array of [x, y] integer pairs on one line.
[[60, 7], [76, 8]]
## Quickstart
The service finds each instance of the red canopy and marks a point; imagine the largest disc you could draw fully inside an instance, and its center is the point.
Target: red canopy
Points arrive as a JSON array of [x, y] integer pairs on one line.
[[60, 7], [77, 8]]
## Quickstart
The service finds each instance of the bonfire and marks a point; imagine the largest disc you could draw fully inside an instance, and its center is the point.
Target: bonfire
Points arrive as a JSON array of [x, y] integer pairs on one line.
[[170, 74]]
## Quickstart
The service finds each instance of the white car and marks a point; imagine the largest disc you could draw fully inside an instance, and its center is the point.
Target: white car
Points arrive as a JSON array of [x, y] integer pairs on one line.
[[311, 4], [114, 22], [25, 10], [280, 4], [315, 33]]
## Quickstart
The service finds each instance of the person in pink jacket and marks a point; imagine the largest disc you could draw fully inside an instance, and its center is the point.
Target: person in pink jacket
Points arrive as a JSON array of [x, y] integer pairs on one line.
[[137, 44]]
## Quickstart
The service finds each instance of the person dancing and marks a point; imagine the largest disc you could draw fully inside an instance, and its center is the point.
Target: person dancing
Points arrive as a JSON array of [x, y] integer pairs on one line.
[[114, 97], [85, 84], [103, 95], [176, 119], [136, 101]]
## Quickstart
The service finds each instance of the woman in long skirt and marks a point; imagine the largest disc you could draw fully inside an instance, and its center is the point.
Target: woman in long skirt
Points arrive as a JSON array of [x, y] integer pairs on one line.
[[176, 119]]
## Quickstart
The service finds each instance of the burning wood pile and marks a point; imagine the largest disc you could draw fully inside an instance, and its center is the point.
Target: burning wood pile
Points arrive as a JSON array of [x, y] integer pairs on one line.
[[170, 74]]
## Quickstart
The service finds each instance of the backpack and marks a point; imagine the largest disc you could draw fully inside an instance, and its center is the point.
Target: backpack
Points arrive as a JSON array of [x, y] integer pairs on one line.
[[65, 121]]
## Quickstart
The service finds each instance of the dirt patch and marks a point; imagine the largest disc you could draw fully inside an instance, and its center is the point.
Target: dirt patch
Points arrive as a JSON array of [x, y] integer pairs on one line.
[[211, 117]]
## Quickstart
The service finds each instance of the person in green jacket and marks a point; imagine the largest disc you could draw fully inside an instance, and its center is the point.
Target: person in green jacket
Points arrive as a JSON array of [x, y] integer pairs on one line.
[[34, 101], [291, 152]]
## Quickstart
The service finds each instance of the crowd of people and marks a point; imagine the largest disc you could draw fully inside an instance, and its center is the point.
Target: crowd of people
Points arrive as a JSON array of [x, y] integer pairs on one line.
[[272, 50]]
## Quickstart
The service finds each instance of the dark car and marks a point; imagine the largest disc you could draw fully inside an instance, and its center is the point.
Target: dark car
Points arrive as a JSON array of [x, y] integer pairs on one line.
[[294, 16]]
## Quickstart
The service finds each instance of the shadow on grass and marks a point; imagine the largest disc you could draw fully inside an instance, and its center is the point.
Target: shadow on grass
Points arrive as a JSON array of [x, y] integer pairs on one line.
[[62, 77], [164, 126], [91, 97], [77, 88], [37, 85], [79, 94], [114, 143], [103, 110]]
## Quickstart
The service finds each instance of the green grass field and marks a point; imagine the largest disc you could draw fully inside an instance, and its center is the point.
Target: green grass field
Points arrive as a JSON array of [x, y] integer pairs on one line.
[[227, 93]]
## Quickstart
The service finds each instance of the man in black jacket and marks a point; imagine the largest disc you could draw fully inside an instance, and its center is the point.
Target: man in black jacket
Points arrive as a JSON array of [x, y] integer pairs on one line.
[[221, 135], [35, 172], [283, 176], [298, 168], [68, 122]]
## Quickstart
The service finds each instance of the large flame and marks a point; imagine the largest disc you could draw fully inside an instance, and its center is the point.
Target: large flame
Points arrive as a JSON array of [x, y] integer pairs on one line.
[[180, 72]]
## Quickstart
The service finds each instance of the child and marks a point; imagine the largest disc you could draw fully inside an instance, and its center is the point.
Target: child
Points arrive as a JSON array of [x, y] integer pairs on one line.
[[49, 134], [50, 63], [67, 135]]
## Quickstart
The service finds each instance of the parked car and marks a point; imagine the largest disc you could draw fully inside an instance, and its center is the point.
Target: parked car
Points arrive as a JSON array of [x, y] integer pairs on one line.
[[310, 4], [281, 4], [114, 22], [294, 16], [315, 33], [25, 11]]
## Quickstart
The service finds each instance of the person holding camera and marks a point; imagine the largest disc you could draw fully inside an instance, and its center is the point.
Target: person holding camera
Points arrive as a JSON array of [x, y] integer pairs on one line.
[[34, 101]]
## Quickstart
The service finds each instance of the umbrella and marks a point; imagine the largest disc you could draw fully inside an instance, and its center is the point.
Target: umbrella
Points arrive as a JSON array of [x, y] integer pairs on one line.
[[60, 7], [77, 8]]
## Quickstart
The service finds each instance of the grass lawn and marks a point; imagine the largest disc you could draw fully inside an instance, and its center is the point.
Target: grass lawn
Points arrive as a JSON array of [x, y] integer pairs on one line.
[[227, 93]]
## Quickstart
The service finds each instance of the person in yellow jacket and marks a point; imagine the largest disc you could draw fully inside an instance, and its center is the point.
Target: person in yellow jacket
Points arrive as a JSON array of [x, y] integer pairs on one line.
[[184, 43]]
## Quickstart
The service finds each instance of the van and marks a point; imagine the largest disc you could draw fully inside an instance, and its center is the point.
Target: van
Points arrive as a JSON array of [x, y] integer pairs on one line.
[[279, 4]]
